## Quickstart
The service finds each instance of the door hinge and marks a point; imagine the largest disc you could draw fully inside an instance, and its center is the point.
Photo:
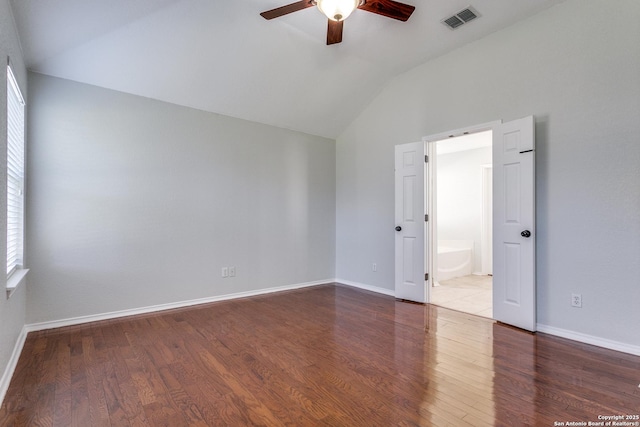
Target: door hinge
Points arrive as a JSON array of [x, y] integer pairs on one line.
[[426, 276], [426, 159], [426, 218]]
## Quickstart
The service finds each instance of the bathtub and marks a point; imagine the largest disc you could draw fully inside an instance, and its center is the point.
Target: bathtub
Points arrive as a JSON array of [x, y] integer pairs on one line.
[[455, 258]]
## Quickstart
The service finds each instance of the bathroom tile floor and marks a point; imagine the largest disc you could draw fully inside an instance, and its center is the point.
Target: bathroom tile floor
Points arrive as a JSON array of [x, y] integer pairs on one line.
[[470, 294]]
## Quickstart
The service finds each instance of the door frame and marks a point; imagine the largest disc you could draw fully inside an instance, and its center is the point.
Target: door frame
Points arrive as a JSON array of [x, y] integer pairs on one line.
[[431, 242], [486, 231]]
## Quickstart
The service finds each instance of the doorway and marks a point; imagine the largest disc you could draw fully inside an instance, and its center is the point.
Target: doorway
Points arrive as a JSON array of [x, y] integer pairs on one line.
[[461, 191], [513, 226]]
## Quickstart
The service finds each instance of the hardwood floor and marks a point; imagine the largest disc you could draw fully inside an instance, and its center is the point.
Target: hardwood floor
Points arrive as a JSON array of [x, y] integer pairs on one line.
[[323, 356]]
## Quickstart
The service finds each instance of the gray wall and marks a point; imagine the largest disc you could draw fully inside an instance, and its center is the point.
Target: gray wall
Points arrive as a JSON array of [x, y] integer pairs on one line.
[[134, 202], [576, 67], [12, 311]]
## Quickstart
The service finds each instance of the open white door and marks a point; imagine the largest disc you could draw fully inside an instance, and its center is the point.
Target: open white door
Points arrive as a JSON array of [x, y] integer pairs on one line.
[[514, 283], [410, 166]]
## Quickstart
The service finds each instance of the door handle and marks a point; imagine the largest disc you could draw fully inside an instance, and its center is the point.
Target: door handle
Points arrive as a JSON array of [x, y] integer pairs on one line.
[[398, 228], [526, 233]]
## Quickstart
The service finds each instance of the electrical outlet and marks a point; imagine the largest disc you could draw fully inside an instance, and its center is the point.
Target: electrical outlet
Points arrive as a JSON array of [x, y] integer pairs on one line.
[[232, 272], [374, 267], [225, 272], [576, 300]]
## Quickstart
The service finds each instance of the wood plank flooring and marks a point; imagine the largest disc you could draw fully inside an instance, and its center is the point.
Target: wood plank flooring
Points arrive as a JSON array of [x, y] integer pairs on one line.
[[328, 355]]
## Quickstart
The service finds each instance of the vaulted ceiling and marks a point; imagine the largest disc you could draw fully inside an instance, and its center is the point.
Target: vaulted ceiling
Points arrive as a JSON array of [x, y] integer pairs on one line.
[[222, 56]]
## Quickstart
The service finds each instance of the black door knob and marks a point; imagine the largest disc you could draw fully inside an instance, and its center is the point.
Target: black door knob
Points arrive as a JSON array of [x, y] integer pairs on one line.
[[526, 233], [398, 228]]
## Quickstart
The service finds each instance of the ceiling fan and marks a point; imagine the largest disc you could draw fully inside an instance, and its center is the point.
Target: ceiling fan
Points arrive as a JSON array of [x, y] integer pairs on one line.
[[338, 10]]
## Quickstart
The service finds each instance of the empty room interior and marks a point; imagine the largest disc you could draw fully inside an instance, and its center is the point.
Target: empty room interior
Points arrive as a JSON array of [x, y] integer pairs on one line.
[[203, 225]]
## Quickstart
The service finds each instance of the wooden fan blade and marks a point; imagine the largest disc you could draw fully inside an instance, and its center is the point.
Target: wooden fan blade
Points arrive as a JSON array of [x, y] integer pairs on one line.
[[388, 8], [285, 10], [334, 32]]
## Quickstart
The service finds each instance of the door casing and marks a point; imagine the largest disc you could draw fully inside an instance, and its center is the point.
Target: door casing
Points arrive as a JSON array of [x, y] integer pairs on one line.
[[432, 224]]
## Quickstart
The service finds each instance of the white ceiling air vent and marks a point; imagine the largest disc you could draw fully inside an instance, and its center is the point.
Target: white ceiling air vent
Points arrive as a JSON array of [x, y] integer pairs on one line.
[[462, 17]]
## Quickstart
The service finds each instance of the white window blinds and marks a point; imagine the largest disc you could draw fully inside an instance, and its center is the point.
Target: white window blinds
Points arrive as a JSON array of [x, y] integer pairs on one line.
[[15, 173]]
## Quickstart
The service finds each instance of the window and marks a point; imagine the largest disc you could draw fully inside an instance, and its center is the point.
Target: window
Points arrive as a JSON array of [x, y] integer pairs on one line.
[[15, 176]]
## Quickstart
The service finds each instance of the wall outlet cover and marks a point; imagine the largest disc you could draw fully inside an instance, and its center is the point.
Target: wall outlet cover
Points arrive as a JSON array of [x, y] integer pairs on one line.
[[576, 300]]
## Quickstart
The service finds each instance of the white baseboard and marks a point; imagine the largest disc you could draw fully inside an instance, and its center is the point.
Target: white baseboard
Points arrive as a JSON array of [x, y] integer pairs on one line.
[[376, 289], [590, 339], [161, 307], [13, 362], [564, 333]]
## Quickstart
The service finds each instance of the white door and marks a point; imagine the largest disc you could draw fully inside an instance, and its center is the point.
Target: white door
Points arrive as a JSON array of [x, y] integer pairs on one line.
[[410, 166], [514, 284]]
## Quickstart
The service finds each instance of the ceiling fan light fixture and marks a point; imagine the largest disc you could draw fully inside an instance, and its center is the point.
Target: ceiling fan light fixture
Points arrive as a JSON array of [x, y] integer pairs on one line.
[[337, 10]]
